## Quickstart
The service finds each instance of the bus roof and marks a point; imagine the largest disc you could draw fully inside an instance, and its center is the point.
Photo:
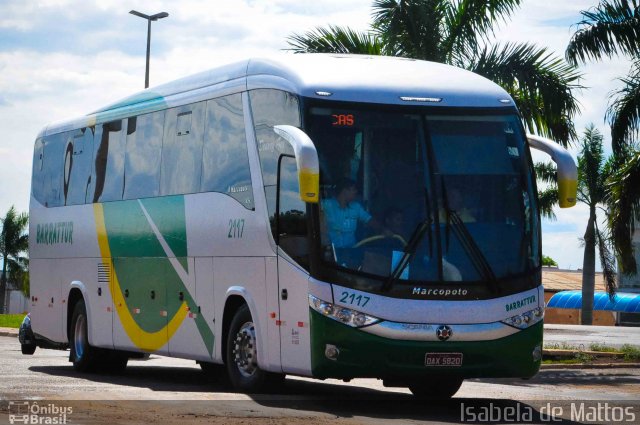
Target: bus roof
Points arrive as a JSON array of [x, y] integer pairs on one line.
[[357, 78]]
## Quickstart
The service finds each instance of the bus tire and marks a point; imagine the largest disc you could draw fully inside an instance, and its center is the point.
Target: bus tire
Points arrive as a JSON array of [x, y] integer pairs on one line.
[[83, 356], [437, 389], [241, 356], [28, 349]]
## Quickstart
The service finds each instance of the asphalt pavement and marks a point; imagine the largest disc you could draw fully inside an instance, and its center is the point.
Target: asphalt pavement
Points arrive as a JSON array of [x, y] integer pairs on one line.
[[582, 337]]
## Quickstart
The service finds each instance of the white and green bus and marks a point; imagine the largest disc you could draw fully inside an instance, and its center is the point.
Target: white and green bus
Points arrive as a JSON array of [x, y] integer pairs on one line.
[[316, 215]]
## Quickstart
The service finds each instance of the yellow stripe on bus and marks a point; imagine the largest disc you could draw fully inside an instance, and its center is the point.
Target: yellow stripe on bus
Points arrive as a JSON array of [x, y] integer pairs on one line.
[[147, 341]]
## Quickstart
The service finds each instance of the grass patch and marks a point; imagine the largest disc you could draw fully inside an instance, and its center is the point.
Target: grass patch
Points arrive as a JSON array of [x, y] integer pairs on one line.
[[631, 353], [603, 348], [561, 346], [11, 320]]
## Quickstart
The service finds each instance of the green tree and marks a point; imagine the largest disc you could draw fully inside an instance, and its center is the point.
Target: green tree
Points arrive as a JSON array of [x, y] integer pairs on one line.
[[14, 242], [457, 32], [548, 261], [610, 29]]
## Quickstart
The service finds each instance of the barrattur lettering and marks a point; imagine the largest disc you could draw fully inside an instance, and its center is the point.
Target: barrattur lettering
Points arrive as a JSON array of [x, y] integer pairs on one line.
[[521, 303], [55, 233]]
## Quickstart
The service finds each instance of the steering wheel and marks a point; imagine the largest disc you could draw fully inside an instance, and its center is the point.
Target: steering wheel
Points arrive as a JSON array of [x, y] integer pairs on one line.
[[374, 238]]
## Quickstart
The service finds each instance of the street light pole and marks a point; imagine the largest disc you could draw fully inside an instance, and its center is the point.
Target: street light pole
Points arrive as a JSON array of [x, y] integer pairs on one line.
[[149, 18]]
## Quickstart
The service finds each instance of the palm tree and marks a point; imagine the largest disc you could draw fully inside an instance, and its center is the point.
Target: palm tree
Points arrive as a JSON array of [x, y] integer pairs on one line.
[[13, 243], [610, 29], [593, 172], [457, 32]]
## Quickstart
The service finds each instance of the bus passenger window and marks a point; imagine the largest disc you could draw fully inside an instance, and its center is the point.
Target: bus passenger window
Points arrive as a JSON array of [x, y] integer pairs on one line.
[[77, 166], [182, 150], [109, 162], [142, 160], [225, 162], [37, 188], [52, 167]]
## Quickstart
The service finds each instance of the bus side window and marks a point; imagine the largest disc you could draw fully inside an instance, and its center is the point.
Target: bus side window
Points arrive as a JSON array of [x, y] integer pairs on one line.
[[143, 152], [272, 107], [37, 181], [52, 169], [77, 166], [182, 150], [225, 162], [292, 212], [107, 179]]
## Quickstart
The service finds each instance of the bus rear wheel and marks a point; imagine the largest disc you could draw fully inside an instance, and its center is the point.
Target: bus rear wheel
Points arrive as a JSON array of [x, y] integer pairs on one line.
[[436, 389], [241, 356], [83, 356]]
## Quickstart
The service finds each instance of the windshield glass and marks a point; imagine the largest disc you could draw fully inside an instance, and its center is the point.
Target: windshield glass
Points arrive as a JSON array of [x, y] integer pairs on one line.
[[424, 197]]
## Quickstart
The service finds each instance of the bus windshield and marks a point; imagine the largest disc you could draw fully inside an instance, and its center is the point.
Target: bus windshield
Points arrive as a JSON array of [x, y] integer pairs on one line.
[[421, 196]]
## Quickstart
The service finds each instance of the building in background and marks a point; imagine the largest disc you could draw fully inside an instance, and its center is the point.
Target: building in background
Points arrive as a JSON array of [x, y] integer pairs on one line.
[[557, 280]]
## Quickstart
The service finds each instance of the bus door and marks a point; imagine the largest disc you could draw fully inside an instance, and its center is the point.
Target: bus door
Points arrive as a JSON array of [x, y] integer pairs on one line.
[[291, 225]]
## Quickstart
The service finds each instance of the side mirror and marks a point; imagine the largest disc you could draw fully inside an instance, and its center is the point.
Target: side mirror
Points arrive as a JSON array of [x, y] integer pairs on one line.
[[306, 161], [566, 166]]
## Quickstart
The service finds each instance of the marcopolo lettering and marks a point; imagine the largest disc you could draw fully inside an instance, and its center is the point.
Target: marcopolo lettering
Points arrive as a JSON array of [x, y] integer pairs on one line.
[[55, 233], [520, 303], [443, 292]]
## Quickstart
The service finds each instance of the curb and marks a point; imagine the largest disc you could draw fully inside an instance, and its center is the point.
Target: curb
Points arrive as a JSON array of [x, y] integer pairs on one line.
[[590, 366], [8, 332]]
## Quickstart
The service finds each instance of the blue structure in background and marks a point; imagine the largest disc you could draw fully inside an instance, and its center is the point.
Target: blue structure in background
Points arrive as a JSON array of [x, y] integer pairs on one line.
[[622, 302]]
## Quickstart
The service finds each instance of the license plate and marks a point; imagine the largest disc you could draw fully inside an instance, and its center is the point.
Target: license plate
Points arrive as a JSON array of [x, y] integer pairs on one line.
[[443, 359]]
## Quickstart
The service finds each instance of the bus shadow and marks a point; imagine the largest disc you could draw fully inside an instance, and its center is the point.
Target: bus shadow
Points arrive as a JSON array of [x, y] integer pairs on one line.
[[364, 403], [155, 378], [299, 397]]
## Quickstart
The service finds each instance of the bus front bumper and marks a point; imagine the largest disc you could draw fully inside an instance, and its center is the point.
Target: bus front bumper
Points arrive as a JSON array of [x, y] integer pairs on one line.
[[360, 354]]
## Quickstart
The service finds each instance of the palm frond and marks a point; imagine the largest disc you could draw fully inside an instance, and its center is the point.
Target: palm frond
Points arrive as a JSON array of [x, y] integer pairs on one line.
[[469, 20], [607, 261], [624, 204], [410, 28], [546, 172], [336, 40], [624, 112], [591, 160], [542, 86], [547, 199], [609, 29]]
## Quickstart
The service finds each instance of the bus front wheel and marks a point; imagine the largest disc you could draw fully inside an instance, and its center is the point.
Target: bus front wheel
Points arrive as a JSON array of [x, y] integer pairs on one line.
[[82, 355], [440, 388], [241, 356]]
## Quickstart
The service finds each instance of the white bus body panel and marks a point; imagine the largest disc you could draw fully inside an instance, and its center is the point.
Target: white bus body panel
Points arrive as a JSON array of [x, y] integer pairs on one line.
[[294, 316]]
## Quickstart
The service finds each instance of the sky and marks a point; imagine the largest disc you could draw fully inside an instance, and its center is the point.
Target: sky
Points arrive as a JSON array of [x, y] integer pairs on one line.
[[60, 59]]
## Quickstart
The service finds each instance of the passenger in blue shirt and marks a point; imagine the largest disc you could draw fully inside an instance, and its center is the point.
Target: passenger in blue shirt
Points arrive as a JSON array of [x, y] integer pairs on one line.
[[343, 213]]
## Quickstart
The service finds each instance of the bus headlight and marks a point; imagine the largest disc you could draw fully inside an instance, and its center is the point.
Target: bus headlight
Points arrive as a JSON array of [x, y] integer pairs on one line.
[[344, 315], [526, 319]]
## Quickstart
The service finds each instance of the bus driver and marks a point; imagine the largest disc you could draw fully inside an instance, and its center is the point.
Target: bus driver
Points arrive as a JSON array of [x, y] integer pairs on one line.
[[343, 213]]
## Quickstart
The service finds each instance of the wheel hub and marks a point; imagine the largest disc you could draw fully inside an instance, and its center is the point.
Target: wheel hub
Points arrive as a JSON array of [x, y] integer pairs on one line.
[[79, 337], [244, 350]]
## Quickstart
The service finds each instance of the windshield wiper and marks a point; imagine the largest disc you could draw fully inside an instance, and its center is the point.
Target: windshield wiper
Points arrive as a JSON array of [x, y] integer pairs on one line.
[[471, 248], [409, 251]]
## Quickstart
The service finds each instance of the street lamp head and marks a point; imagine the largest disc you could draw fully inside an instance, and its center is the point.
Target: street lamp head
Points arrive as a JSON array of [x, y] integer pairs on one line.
[[159, 16], [150, 17], [142, 15]]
